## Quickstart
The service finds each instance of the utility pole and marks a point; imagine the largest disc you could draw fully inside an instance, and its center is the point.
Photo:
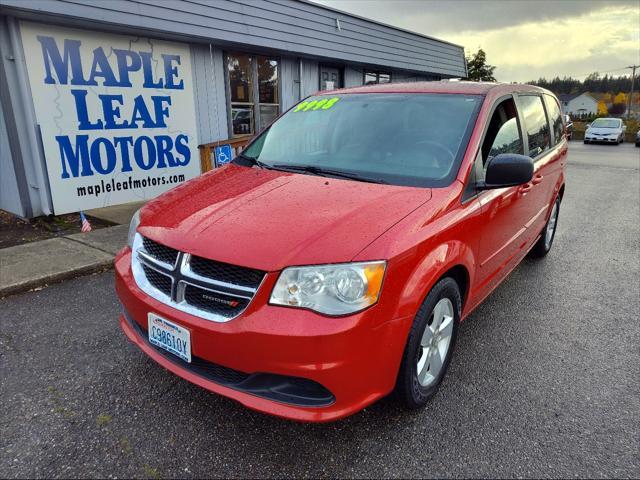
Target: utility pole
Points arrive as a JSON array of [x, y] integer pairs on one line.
[[633, 76]]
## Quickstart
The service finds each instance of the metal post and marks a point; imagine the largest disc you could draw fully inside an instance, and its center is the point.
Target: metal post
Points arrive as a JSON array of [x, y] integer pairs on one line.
[[630, 102]]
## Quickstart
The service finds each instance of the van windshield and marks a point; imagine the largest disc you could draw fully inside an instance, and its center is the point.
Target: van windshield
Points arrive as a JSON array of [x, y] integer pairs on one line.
[[401, 139]]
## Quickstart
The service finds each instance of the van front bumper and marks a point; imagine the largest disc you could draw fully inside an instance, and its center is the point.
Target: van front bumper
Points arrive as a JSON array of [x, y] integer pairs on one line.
[[287, 362]]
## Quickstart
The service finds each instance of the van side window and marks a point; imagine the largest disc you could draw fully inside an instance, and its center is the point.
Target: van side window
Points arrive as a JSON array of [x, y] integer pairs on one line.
[[536, 125], [555, 117], [503, 134]]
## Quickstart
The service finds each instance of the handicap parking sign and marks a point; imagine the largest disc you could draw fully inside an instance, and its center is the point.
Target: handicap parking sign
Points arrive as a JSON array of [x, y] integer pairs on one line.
[[223, 154]]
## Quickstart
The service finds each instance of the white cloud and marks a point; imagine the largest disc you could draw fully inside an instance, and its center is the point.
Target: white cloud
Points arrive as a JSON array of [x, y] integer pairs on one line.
[[601, 40]]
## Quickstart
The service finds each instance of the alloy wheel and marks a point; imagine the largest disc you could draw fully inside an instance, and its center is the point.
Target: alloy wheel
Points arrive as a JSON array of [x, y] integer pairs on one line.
[[551, 226], [435, 342]]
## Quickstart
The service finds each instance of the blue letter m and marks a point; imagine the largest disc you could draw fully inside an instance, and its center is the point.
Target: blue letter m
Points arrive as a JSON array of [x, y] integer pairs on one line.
[[75, 159], [61, 64]]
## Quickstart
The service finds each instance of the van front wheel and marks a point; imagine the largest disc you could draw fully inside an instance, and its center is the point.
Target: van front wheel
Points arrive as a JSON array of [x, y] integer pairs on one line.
[[543, 245], [430, 344]]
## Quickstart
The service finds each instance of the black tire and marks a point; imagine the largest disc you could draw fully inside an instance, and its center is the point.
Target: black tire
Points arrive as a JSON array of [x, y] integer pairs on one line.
[[540, 249], [585, 142], [408, 389]]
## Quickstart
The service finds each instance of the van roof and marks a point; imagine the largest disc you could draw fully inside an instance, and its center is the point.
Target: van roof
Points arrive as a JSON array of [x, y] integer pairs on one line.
[[458, 87]]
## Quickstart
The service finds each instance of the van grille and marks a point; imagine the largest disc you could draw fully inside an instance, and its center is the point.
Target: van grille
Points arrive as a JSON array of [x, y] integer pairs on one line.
[[227, 273], [159, 280], [160, 252], [206, 288]]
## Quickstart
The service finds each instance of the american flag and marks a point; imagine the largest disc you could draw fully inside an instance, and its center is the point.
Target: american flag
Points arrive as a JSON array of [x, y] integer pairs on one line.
[[86, 226]]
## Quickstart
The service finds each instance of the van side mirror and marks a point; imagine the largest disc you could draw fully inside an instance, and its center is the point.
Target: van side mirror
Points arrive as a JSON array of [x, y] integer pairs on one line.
[[507, 170]]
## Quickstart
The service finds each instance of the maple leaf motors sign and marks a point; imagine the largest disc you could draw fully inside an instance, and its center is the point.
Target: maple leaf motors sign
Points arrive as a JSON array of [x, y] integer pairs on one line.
[[116, 114]]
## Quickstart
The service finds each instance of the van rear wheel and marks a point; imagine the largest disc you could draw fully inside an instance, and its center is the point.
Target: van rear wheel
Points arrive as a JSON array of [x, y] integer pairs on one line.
[[430, 345]]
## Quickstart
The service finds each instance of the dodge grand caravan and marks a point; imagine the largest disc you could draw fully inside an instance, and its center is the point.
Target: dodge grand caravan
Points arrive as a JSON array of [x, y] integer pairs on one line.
[[332, 261]]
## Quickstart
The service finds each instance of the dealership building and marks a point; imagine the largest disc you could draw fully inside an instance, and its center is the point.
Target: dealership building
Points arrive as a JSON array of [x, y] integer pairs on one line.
[[114, 101]]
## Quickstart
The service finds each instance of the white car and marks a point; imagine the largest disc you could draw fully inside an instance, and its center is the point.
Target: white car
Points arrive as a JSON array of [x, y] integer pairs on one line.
[[606, 130]]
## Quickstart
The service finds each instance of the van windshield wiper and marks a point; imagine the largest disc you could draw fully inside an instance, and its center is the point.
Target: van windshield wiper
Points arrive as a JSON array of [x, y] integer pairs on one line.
[[325, 172], [250, 161]]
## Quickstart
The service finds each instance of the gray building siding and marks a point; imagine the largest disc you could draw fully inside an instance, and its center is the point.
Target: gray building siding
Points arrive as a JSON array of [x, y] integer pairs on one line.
[[9, 193], [353, 76], [289, 82], [310, 77], [300, 28], [22, 130], [209, 92]]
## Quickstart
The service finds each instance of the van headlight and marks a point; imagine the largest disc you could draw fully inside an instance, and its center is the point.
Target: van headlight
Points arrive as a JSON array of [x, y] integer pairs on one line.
[[337, 289], [133, 227]]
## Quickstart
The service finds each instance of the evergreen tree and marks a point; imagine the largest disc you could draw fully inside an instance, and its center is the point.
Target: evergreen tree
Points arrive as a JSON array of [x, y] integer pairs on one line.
[[478, 69], [593, 83]]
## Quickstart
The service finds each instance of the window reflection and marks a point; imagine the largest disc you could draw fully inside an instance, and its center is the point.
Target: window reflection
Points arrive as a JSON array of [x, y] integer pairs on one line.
[[537, 128], [248, 74], [268, 90], [372, 78], [239, 67]]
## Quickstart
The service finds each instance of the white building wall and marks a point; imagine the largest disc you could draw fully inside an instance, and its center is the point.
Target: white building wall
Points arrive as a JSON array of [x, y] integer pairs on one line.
[[583, 104]]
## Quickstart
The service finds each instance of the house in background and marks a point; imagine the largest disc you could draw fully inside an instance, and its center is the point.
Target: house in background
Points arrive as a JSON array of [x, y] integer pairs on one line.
[[578, 105]]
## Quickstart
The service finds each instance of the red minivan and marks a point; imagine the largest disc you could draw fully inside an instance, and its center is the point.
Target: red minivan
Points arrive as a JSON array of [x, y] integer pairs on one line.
[[332, 261]]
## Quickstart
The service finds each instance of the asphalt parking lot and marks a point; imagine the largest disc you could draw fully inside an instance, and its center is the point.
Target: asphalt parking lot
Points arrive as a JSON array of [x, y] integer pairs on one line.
[[544, 381]]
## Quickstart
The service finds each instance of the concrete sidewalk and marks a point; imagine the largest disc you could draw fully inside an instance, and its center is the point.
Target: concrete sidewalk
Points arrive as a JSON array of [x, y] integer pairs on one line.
[[36, 264]]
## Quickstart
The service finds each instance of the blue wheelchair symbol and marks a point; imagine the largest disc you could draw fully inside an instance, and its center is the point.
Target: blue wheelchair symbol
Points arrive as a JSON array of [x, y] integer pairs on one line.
[[223, 155]]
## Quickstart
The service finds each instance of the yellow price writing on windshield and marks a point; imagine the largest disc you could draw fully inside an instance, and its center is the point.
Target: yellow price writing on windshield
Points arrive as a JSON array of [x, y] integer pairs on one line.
[[324, 104]]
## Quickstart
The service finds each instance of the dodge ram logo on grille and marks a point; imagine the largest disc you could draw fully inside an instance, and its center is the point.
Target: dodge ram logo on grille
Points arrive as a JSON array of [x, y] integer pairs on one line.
[[231, 303]]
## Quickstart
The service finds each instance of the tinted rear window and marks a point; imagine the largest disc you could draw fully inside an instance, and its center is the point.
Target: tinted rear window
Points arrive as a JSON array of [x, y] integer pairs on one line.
[[535, 123], [555, 117]]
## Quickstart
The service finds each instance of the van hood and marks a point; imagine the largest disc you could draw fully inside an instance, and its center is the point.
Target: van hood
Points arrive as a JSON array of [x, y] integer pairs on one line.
[[269, 220]]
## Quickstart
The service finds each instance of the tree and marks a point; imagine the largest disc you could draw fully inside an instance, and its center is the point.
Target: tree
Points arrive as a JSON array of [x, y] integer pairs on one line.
[[620, 98], [593, 83], [617, 109], [478, 69], [602, 108]]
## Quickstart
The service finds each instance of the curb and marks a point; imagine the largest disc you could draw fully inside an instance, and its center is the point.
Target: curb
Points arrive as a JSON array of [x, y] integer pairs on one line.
[[55, 278], [38, 264]]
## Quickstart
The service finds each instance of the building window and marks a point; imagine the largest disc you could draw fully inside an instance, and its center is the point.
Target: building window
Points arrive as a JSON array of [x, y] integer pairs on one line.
[[269, 99], [371, 77], [248, 74]]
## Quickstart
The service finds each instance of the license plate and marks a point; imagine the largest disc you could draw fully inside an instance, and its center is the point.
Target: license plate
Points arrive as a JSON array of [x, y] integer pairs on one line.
[[170, 337]]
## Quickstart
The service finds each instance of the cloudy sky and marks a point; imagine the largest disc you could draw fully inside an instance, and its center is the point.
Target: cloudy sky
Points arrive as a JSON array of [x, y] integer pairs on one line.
[[525, 39]]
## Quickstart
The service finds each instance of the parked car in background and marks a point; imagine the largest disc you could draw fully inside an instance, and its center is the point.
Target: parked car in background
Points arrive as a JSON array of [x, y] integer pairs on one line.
[[638, 138], [333, 260], [569, 126], [605, 130]]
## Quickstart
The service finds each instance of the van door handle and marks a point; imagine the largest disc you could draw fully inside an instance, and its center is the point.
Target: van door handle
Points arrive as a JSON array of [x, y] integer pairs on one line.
[[524, 189], [537, 179]]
